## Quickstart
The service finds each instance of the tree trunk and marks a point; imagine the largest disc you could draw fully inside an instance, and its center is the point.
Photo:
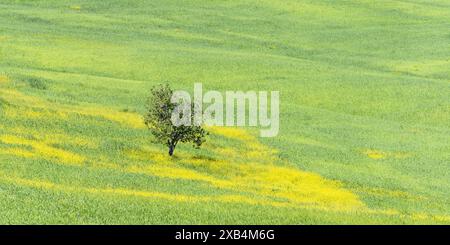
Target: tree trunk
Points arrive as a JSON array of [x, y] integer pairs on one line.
[[171, 149]]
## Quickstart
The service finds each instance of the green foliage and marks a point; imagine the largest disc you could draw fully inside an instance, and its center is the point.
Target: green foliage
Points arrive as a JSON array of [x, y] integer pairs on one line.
[[3, 102], [158, 120], [36, 83]]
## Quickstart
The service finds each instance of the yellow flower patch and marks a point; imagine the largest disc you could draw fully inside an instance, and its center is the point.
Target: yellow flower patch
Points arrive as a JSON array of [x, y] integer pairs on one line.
[[41, 150], [3, 79], [442, 218], [296, 187], [283, 185], [171, 172], [375, 154], [150, 155], [18, 152], [231, 132], [51, 138], [225, 151], [20, 98], [33, 113], [128, 119], [75, 7], [46, 185], [132, 120]]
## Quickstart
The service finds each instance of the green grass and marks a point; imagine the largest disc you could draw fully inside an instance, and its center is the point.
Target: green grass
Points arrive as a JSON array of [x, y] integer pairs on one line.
[[365, 104]]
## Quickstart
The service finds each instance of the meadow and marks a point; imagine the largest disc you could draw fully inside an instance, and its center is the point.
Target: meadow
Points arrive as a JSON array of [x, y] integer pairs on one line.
[[364, 122]]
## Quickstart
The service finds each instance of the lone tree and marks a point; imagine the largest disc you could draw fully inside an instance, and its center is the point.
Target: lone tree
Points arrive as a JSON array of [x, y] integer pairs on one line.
[[158, 120]]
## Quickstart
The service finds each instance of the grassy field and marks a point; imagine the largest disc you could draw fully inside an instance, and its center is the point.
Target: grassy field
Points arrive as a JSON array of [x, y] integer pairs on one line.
[[365, 112]]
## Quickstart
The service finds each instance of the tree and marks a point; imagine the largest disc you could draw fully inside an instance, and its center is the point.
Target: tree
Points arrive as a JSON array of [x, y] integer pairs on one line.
[[158, 120]]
